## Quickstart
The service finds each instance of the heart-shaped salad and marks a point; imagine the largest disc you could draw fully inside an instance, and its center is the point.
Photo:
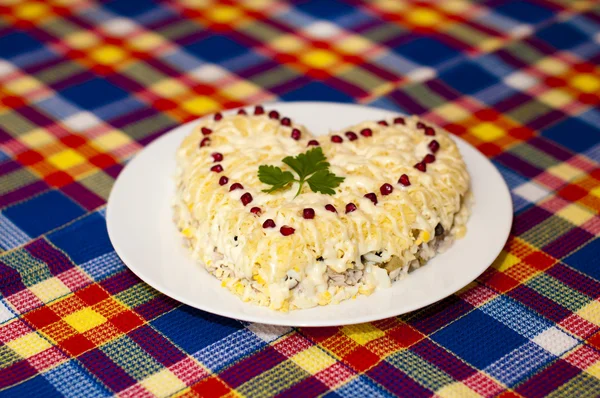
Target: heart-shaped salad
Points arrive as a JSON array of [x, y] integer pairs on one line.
[[289, 220]]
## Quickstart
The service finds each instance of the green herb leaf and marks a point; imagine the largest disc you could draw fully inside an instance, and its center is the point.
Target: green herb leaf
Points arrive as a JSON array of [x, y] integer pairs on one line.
[[307, 163], [311, 167], [274, 176], [324, 181]]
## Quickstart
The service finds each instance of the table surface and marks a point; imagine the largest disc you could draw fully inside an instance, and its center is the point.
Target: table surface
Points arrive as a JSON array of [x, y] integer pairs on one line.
[[85, 85]]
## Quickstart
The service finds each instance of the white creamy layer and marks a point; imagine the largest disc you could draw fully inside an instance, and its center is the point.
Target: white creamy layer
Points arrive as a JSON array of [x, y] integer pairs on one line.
[[216, 221]]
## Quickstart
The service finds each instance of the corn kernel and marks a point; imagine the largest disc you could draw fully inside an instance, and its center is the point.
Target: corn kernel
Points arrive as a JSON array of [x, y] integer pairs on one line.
[[187, 233], [259, 279]]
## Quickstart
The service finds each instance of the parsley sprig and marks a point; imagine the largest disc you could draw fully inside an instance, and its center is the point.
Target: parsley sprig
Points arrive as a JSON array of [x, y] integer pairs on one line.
[[311, 167]]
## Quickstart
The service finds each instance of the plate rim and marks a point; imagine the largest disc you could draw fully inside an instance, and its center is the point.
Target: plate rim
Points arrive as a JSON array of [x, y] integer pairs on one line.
[[282, 321]]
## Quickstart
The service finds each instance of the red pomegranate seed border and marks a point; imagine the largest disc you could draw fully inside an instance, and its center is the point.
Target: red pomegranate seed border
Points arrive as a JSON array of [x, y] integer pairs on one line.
[[296, 134]]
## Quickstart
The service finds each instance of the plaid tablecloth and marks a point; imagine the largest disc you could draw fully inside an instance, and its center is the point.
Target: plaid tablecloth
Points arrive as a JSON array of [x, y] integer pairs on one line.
[[85, 85]]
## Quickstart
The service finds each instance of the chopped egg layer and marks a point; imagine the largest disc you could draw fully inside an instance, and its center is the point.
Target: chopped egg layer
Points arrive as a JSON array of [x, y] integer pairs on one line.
[[335, 255]]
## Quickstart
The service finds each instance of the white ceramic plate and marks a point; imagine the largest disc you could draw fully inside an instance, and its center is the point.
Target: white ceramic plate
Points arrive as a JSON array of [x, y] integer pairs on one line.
[[144, 236]]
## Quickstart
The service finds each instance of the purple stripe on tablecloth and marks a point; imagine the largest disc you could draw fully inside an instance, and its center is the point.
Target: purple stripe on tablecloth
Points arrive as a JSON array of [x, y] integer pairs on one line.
[[72, 80], [539, 45], [440, 314], [548, 380], [10, 280], [550, 148], [8, 167], [519, 165], [5, 136], [512, 102], [22, 193], [575, 280], [541, 304], [46, 64], [193, 37], [135, 116], [407, 103], [543, 121], [509, 58], [119, 282], [345, 87], [256, 69], [100, 365], [381, 72], [35, 116], [309, 387], [290, 85], [15, 373], [148, 139], [567, 243], [369, 25], [252, 366], [156, 345], [397, 381], [397, 41], [155, 307], [114, 170], [83, 196], [245, 39], [56, 261], [443, 359], [170, 20], [528, 219], [443, 90], [130, 85], [162, 67]]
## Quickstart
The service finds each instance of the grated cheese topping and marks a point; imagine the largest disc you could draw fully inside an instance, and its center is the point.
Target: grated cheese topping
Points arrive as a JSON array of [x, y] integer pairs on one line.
[[286, 272]]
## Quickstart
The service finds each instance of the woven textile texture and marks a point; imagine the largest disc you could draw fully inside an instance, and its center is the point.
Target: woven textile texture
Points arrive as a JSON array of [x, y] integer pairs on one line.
[[85, 85]]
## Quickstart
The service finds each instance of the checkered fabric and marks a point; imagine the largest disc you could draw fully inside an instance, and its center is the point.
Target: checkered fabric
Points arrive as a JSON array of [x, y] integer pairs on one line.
[[85, 85]]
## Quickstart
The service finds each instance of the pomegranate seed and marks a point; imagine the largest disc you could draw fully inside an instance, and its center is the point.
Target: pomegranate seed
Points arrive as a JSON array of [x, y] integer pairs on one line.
[[286, 230], [429, 158], [308, 213], [256, 210], [421, 166], [269, 223], [366, 132], [429, 131], [205, 131], [223, 180], [331, 208], [217, 168], [350, 207], [313, 142], [404, 180], [217, 156], [434, 146], [399, 120], [421, 125], [371, 196], [337, 139], [383, 123], [386, 189], [286, 121], [242, 112], [296, 134], [218, 116], [351, 136], [246, 198], [259, 110], [235, 186], [204, 142], [274, 115]]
